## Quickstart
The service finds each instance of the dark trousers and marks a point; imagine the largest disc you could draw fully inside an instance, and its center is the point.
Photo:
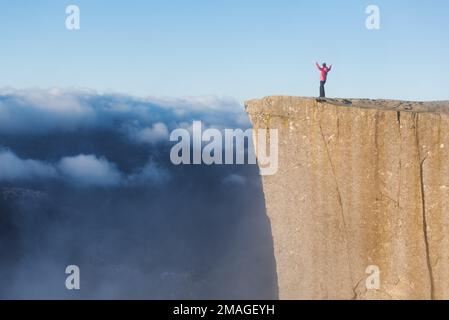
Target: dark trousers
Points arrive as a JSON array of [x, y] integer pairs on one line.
[[322, 91]]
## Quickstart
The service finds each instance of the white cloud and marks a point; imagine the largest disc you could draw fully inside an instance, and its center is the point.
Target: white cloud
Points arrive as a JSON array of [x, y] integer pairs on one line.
[[157, 133], [88, 170], [81, 171], [24, 111], [14, 168]]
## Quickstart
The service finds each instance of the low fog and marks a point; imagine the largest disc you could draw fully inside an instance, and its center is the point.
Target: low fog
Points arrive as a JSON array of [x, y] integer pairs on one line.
[[86, 179]]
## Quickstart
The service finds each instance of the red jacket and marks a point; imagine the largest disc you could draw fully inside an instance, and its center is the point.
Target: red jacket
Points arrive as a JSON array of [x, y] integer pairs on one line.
[[323, 71]]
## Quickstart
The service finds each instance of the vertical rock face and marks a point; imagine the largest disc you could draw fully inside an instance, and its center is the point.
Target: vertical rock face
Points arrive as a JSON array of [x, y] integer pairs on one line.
[[360, 183]]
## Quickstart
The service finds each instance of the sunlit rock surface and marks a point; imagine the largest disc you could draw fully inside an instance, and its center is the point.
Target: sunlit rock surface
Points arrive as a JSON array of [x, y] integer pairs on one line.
[[360, 183]]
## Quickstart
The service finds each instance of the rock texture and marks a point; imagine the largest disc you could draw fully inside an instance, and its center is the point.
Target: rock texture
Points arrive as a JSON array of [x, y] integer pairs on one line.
[[360, 183]]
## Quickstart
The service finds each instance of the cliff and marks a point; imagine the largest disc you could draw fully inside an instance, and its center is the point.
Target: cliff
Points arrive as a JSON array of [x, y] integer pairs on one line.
[[360, 183]]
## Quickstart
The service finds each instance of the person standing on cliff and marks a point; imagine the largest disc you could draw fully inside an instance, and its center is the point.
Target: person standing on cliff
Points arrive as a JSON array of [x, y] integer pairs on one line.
[[324, 70]]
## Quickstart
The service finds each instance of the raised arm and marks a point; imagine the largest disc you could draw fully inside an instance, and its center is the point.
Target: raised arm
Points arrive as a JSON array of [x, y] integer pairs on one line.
[[318, 66], [330, 68]]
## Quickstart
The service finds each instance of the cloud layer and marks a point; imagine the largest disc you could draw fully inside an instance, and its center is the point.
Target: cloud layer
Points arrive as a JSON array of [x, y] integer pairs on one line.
[[81, 170], [43, 111], [86, 179], [14, 168]]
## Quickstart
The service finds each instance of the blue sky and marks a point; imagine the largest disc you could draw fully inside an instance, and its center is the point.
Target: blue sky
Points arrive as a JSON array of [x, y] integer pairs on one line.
[[244, 49]]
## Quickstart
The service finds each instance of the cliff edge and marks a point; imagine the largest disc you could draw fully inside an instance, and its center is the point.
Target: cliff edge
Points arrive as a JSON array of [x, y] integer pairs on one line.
[[362, 193]]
